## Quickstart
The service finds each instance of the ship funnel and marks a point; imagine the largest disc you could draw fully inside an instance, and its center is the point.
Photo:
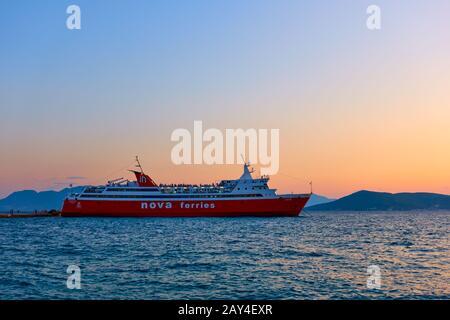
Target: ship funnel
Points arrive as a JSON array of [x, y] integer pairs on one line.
[[143, 180]]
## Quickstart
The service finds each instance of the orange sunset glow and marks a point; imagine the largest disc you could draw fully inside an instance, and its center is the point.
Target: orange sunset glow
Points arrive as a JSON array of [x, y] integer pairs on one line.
[[356, 109]]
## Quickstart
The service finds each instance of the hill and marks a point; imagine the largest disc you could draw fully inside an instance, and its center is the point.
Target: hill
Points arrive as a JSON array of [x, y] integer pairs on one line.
[[30, 200], [369, 201]]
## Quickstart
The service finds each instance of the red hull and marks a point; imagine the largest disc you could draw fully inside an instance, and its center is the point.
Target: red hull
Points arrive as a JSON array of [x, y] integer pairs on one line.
[[274, 207]]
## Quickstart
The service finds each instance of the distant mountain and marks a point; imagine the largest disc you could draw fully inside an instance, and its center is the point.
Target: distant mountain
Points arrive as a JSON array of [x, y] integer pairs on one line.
[[30, 200], [316, 199], [369, 201]]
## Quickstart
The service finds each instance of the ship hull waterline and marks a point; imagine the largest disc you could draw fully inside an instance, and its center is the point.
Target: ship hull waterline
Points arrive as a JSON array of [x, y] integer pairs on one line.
[[275, 207]]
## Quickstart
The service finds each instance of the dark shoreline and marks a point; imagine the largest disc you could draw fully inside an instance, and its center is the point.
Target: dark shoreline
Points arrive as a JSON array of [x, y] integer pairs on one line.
[[30, 215]]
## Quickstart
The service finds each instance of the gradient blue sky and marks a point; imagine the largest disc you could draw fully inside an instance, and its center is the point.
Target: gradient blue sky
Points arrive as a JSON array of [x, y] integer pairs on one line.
[[356, 108]]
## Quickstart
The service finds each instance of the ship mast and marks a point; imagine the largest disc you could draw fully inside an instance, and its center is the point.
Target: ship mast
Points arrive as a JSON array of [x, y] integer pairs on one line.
[[139, 164], [247, 165]]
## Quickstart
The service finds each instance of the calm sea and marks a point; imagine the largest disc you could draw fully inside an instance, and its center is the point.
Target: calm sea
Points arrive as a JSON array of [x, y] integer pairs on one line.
[[315, 256]]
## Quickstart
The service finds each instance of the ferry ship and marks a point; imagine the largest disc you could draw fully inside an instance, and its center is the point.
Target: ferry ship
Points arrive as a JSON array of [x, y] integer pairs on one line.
[[246, 196]]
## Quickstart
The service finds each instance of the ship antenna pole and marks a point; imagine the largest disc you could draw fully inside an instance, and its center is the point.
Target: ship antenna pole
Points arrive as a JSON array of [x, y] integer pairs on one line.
[[310, 183], [139, 164], [243, 160]]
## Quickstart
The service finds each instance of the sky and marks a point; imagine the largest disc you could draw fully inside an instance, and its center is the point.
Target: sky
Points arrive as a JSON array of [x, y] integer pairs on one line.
[[356, 108]]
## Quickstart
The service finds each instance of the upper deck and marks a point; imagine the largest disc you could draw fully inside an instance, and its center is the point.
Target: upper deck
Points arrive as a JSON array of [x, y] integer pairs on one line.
[[144, 187]]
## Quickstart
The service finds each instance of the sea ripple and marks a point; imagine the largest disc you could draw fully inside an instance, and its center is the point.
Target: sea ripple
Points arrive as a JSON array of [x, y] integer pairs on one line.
[[315, 256]]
